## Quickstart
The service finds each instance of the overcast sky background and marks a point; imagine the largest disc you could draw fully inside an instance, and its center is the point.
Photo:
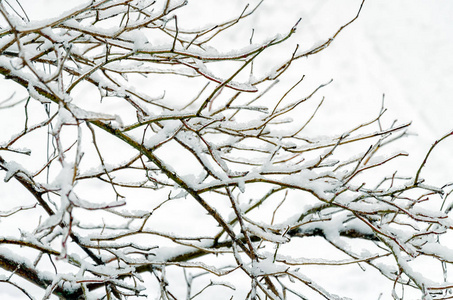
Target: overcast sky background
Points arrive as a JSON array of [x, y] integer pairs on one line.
[[403, 49]]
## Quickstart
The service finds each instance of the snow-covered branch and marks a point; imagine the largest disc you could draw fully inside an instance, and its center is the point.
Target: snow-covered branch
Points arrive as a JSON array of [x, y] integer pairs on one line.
[[151, 158]]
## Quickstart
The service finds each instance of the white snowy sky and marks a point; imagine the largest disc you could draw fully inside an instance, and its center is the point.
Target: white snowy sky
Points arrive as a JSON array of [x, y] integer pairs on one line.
[[400, 48], [403, 49]]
